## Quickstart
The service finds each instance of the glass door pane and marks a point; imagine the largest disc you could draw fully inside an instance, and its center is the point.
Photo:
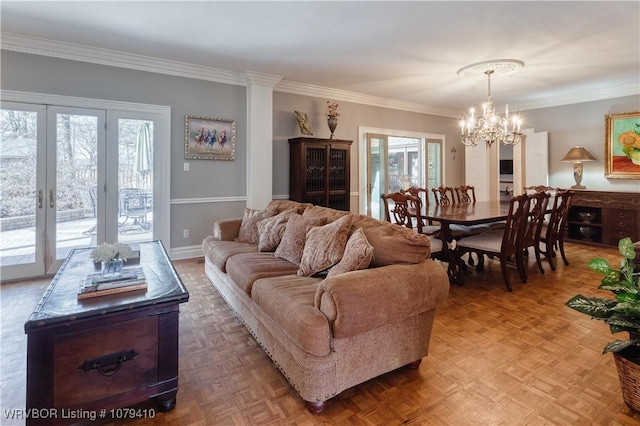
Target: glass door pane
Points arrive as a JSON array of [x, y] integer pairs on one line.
[[22, 156], [135, 180], [434, 167], [73, 181], [376, 176]]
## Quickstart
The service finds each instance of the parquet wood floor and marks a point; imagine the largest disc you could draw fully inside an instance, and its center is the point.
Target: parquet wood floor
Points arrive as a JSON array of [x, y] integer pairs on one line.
[[496, 358]]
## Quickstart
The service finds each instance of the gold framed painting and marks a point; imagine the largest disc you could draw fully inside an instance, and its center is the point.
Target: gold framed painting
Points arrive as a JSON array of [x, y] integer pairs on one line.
[[622, 146], [209, 138]]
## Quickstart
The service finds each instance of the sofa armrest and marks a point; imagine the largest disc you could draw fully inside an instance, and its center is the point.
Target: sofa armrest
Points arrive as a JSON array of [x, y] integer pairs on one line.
[[226, 229], [359, 301]]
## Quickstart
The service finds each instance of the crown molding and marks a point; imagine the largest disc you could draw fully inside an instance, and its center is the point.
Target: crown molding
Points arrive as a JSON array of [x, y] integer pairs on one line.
[[76, 52], [359, 98], [94, 55], [591, 96]]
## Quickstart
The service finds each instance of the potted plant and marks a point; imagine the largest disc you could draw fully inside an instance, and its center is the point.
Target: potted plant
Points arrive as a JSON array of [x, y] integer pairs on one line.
[[622, 313]]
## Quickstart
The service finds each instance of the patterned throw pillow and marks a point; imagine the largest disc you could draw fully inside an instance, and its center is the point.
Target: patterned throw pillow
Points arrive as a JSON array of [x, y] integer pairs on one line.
[[292, 244], [249, 227], [324, 246], [357, 255], [270, 230]]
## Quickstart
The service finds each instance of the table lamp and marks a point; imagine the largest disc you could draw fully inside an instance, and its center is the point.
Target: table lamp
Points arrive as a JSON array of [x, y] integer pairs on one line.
[[577, 155]]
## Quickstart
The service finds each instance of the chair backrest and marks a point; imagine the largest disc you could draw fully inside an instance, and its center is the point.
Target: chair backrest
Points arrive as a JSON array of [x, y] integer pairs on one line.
[[515, 223], [402, 209], [132, 200], [537, 188], [466, 194], [417, 192], [537, 209], [441, 195], [559, 213]]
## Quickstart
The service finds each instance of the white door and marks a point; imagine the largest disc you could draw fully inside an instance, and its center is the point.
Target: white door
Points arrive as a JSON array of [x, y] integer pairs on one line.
[[478, 171], [47, 203], [22, 189]]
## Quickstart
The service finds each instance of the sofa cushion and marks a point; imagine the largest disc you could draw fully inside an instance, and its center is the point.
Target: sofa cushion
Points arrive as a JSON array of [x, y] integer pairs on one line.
[[324, 246], [295, 234], [283, 205], [324, 212], [357, 255], [249, 228], [392, 244], [245, 268], [288, 301], [270, 230], [218, 252]]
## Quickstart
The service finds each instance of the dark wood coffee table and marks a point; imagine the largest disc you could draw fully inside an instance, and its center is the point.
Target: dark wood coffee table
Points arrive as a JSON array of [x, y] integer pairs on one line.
[[104, 353]]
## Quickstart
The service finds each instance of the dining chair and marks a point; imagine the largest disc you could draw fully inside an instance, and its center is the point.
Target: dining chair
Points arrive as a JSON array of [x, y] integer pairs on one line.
[[402, 209], [552, 234], [466, 194], [501, 243], [530, 237], [441, 195], [423, 194]]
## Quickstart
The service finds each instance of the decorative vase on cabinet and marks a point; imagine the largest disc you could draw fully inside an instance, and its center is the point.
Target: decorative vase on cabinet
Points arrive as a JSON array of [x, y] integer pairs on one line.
[[319, 172]]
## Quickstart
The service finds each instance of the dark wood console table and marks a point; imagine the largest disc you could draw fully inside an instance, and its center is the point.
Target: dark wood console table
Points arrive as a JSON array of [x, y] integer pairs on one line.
[[108, 352], [603, 217]]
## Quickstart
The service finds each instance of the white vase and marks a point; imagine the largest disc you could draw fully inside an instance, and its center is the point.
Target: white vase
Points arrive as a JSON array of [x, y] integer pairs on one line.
[[111, 268]]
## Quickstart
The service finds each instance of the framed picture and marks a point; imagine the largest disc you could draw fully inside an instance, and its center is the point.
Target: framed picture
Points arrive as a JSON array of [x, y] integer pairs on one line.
[[622, 146], [209, 138], [303, 122]]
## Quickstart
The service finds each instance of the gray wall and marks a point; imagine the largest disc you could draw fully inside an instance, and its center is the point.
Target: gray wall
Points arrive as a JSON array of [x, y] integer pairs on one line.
[[584, 125]]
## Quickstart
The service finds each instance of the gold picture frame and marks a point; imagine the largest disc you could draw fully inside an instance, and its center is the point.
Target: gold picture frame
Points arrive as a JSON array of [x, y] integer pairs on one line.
[[208, 138], [622, 146]]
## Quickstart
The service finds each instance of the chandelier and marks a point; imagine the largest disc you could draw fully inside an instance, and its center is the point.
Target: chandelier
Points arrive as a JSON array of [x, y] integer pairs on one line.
[[489, 126]]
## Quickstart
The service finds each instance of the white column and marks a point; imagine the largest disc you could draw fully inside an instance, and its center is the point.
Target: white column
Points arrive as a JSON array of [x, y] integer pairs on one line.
[[260, 138]]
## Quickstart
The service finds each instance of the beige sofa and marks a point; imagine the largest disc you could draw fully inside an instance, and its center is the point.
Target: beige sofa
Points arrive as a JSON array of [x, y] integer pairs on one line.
[[329, 333]]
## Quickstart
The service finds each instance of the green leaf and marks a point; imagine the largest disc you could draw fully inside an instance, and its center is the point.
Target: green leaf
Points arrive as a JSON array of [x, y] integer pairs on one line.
[[623, 322], [629, 308], [627, 151], [618, 345], [631, 297], [596, 307], [611, 281], [599, 265], [626, 248]]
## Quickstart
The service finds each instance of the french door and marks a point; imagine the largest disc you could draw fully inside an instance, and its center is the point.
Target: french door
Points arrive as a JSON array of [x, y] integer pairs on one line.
[[393, 163], [62, 180]]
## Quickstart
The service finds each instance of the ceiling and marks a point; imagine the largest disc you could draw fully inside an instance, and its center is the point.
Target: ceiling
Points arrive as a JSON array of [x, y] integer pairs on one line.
[[403, 51]]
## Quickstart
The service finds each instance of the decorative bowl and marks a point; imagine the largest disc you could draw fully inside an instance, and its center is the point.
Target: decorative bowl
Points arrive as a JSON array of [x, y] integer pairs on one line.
[[587, 216], [588, 232]]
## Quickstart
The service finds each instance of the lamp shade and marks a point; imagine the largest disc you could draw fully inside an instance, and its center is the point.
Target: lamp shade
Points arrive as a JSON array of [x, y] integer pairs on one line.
[[577, 154]]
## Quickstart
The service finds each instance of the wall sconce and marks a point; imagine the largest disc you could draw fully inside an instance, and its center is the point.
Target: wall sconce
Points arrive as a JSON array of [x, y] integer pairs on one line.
[[576, 156]]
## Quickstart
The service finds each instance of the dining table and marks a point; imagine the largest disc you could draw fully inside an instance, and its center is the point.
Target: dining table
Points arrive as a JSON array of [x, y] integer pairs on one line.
[[480, 212]]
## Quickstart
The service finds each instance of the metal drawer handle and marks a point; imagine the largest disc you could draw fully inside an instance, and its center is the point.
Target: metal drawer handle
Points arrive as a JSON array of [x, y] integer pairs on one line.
[[108, 365]]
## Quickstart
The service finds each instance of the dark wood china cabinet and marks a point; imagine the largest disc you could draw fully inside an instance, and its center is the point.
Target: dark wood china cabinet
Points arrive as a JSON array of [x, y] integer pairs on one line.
[[319, 172]]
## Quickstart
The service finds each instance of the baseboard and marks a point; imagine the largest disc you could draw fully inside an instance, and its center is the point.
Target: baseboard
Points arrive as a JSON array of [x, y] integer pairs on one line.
[[186, 252]]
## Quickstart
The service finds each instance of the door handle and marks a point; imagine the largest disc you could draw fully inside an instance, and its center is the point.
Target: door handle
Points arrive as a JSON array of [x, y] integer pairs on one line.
[[51, 202], [40, 198]]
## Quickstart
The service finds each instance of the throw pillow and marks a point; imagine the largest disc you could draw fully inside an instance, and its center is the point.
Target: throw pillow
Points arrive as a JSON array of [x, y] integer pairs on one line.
[[294, 236], [270, 230], [357, 255], [324, 246], [249, 227]]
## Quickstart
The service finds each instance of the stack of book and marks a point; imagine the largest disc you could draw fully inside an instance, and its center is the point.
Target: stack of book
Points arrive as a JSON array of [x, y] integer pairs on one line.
[[97, 285]]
